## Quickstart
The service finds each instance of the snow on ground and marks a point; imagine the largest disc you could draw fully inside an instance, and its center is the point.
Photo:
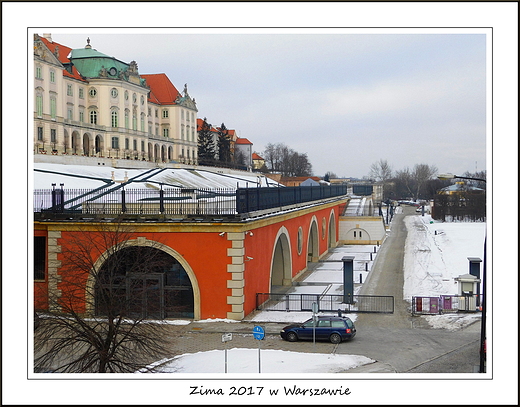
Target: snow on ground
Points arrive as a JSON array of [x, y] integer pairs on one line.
[[271, 361], [437, 252]]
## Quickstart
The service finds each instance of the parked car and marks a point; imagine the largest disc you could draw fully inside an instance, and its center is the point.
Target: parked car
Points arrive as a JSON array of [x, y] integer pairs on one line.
[[329, 328]]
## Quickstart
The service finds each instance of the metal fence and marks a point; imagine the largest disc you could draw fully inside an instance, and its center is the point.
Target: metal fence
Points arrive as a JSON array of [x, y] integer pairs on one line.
[[326, 303], [176, 201], [446, 304], [255, 199]]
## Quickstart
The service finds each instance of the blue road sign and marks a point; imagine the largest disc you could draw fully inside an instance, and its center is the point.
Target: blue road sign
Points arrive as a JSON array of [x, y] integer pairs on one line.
[[258, 332]]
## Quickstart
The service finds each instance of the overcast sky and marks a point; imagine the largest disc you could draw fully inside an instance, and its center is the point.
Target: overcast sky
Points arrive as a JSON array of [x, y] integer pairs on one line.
[[346, 98]]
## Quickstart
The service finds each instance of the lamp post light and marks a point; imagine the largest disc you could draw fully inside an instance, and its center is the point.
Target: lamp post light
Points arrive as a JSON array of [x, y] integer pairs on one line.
[[482, 367]]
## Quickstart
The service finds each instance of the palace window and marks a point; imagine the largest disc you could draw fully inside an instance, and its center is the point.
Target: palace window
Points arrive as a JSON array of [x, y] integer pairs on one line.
[[134, 121], [52, 76], [39, 105], [115, 143], [82, 116], [53, 135], [113, 92], [135, 145], [115, 118], [39, 72], [165, 113], [69, 114], [93, 117], [142, 123], [166, 133], [40, 133], [81, 93], [69, 90], [127, 144], [156, 112], [92, 92], [53, 108], [127, 119], [142, 145]]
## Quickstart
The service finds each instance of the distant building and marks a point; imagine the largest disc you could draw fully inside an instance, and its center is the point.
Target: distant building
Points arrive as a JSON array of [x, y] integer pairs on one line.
[[258, 162], [244, 148], [91, 104], [297, 181], [458, 188]]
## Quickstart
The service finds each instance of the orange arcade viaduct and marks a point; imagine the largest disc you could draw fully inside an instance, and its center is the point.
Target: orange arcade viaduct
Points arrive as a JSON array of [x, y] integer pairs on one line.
[[216, 263]]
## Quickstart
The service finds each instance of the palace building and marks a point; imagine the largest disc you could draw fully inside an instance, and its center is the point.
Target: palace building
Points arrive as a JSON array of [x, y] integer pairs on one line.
[[90, 104]]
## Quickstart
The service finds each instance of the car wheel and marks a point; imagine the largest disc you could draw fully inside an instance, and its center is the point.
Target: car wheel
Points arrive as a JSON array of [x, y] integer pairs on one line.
[[335, 338], [292, 337]]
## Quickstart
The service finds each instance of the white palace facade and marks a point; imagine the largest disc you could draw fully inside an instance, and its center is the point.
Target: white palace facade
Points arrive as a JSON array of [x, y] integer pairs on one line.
[[89, 104]]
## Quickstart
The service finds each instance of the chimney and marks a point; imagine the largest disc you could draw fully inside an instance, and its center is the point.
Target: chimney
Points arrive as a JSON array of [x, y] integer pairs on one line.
[[48, 37]]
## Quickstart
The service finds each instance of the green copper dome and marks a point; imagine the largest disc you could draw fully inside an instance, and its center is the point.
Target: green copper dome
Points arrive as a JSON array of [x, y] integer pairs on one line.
[[91, 63]]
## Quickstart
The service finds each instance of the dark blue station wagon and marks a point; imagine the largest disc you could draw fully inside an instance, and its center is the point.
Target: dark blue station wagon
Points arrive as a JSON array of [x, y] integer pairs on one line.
[[328, 328]]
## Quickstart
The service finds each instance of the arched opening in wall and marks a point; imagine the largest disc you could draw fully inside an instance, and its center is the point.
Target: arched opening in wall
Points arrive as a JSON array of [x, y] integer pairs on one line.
[[144, 282], [163, 154], [66, 144], [156, 152], [86, 144], [312, 244], [150, 152], [99, 145], [281, 264], [332, 231], [75, 143], [170, 153]]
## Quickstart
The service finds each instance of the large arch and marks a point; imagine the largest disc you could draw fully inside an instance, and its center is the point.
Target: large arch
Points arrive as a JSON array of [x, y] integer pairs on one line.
[[143, 242], [313, 250], [99, 145], [281, 261], [86, 144], [75, 142]]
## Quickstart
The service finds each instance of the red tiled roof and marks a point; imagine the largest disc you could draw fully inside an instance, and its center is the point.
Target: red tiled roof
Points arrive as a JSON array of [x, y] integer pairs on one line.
[[242, 141], [256, 157], [63, 53], [162, 89]]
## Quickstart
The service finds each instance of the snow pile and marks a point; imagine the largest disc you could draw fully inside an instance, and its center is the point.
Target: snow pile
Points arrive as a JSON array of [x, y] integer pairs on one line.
[[271, 361]]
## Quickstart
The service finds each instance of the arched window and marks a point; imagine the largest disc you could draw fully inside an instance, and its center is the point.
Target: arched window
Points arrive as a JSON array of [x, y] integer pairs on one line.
[[127, 119], [115, 118], [93, 117]]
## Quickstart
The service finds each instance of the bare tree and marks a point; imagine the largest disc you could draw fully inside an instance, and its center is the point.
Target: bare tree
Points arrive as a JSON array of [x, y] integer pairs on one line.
[[381, 171], [96, 321], [422, 173]]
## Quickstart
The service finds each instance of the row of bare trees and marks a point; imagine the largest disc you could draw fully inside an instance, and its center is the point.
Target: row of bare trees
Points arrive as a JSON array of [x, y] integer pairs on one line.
[[418, 182], [282, 159]]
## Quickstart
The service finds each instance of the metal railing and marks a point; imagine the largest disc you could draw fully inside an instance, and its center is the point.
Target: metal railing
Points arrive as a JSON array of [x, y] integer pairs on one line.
[[422, 305], [326, 303], [113, 199]]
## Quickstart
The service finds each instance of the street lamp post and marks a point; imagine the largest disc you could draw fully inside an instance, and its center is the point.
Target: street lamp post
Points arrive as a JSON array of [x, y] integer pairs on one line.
[[482, 367]]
